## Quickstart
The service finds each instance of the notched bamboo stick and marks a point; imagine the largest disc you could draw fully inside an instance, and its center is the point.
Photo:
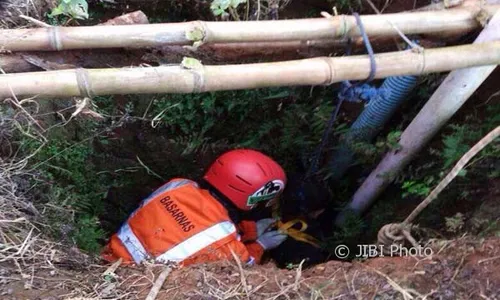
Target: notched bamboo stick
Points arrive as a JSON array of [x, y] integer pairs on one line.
[[462, 19], [199, 78]]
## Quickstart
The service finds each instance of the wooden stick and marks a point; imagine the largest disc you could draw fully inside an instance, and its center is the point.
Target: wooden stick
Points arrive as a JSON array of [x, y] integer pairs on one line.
[[34, 21], [159, 283], [193, 77], [461, 19]]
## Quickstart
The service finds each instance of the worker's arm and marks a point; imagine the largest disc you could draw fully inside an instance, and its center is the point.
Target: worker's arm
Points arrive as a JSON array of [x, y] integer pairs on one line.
[[251, 252], [250, 230]]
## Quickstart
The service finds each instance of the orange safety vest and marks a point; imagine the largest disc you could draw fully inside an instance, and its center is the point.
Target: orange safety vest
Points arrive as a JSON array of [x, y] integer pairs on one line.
[[181, 223]]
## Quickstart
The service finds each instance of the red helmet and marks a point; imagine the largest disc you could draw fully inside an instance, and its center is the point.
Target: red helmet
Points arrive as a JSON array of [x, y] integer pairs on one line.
[[246, 177]]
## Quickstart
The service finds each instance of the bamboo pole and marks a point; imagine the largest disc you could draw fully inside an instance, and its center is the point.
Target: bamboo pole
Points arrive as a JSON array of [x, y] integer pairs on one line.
[[461, 19], [192, 77], [444, 103], [24, 62]]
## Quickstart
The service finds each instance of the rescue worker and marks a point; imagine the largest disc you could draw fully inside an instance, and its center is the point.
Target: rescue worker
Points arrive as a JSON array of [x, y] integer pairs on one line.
[[186, 222]]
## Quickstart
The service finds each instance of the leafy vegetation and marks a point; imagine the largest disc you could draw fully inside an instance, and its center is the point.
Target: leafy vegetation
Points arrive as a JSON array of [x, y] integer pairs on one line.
[[225, 7], [74, 169], [71, 187], [456, 142], [74, 9], [277, 121]]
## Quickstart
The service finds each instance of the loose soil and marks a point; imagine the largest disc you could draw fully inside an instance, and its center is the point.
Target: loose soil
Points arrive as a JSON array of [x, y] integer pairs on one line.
[[465, 268]]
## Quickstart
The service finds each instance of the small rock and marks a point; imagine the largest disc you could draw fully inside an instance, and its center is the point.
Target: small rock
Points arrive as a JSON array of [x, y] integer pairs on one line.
[[199, 284]]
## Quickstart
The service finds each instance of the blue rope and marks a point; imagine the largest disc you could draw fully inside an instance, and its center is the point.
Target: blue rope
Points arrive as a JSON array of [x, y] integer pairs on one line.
[[349, 92], [361, 93]]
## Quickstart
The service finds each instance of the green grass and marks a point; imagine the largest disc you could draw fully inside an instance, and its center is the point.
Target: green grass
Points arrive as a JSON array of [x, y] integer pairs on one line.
[[73, 169]]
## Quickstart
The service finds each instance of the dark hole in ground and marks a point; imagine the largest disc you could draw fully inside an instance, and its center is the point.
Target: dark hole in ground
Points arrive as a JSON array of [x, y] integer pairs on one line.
[[156, 151], [161, 159]]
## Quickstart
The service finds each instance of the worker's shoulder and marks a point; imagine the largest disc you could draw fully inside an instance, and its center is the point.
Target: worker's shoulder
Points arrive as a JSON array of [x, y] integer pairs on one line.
[[175, 184], [170, 186]]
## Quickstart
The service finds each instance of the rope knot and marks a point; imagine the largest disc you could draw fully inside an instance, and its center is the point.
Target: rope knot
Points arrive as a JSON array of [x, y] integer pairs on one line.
[[393, 237]]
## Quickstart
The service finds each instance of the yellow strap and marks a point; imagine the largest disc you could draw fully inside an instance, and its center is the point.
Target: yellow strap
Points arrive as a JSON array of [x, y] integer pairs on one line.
[[297, 234]]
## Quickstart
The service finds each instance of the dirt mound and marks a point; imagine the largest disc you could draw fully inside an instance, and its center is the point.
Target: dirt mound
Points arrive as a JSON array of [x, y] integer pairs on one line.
[[458, 269], [461, 269]]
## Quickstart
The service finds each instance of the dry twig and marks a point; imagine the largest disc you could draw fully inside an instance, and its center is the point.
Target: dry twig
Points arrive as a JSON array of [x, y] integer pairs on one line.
[[159, 283]]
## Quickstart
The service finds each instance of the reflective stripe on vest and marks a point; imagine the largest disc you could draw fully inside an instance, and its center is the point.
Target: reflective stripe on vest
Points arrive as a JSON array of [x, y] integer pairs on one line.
[[182, 250], [132, 243], [198, 242]]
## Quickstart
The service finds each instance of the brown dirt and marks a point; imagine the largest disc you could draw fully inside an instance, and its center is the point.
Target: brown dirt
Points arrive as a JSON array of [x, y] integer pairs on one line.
[[459, 269], [11, 9]]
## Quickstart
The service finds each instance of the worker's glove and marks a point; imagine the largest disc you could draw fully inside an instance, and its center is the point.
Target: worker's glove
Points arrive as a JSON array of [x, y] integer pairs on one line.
[[263, 225], [271, 239]]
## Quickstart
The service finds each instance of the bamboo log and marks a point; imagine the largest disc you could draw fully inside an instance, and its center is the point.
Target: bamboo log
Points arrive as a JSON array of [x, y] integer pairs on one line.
[[62, 38], [444, 103], [23, 62], [199, 78]]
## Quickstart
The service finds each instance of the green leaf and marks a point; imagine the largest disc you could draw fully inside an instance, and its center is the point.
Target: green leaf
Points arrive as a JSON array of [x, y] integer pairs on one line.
[[56, 11], [108, 277], [195, 34], [76, 9], [224, 4], [217, 12], [191, 63], [219, 7], [79, 9]]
